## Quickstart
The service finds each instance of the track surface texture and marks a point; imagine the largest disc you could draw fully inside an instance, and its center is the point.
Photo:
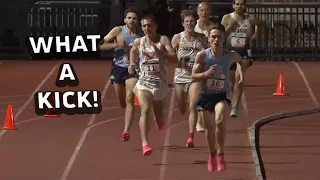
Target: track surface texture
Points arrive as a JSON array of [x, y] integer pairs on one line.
[[89, 147]]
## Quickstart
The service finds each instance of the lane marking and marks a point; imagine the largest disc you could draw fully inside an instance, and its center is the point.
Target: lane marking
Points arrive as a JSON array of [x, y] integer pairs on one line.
[[21, 109], [306, 82], [166, 142], [84, 136]]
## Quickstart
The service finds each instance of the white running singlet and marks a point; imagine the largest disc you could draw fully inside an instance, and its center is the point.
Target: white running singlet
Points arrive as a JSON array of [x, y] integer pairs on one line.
[[153, 77], [187, 52]]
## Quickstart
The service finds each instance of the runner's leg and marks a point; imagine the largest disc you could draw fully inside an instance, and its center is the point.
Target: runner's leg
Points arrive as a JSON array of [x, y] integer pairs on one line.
[[208, 118], [130, 84], [193, 92], [181, 97], [220, 120], [145, 101]]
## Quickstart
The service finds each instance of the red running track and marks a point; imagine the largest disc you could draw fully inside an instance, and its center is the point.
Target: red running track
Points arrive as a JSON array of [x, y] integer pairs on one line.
[[89, 147]]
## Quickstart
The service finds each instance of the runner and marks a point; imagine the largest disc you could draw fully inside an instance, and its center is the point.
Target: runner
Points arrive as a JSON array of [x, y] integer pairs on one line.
[[121, 38], [152, 87], [204, 12], [187, 44], [211, 68], [239, 35]]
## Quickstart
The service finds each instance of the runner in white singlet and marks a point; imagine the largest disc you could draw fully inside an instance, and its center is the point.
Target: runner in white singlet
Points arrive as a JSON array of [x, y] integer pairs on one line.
[[203, 23], [152, 87], [187, 44]]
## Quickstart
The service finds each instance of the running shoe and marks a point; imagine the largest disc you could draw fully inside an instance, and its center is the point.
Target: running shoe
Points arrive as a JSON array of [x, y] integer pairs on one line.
[[211, 163], [125, 136], [146, 150], [221, 163], [190, 143]]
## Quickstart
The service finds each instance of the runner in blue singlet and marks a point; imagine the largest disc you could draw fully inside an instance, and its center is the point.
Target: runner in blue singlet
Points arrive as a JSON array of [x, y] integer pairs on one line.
[[211, 68], [121, 39]]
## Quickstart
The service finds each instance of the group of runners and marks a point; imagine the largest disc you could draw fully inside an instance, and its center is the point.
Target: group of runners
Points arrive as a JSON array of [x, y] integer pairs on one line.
[[212, 59]]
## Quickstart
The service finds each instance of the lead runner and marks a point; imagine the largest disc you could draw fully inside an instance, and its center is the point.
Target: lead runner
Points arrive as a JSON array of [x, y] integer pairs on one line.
[[211, 68], [152, 87]]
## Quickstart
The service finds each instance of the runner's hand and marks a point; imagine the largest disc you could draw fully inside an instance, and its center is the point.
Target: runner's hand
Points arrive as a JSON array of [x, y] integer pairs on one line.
[[131, 69], [159, 51], [241, 79], [210, 71], [233, 24]]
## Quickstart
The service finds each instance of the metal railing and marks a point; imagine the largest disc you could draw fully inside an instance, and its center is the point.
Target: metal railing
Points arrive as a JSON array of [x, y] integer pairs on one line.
[[290, 30], [63, 18]]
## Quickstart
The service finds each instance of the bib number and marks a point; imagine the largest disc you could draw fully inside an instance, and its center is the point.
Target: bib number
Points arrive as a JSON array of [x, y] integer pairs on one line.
[[189, 65], [215, 84], [152, 70], [238, 42], [185, 63]]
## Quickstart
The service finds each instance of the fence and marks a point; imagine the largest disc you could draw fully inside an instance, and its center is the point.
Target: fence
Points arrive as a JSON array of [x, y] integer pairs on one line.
[[49, 18], [290, 31]]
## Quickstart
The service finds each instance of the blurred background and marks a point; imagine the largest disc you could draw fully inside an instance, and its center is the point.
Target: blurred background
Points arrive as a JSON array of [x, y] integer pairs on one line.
[[291, 28]]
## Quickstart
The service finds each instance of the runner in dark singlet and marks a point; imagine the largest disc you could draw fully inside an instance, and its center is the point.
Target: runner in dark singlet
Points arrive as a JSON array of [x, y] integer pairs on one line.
[[121, 39], [239, 35]]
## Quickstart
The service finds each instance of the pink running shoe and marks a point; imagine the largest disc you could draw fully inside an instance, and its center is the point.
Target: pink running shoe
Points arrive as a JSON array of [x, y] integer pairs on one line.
[[211, 163], [146, 150], [125, 136], [221, 163], [190, 143]]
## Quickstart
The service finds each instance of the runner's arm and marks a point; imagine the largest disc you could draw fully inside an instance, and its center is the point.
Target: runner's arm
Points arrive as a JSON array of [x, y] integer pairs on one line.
[[108, 41], [236, 58], [196, 75], [170, 53], [257, 23], [134, 51], [227, 25], [175, 42]]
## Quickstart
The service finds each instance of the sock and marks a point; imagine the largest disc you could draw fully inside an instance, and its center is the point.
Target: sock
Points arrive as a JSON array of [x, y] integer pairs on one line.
[[191, 135], [127, 127]]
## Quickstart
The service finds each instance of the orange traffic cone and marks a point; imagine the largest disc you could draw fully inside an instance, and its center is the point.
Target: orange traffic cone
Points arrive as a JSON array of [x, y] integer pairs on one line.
[[280, 87], [9, 123], [136, 101], [51, 112]]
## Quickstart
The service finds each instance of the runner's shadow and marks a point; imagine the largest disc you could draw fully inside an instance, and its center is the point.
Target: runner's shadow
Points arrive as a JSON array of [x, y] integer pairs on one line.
[[294, 162], [259, 85]]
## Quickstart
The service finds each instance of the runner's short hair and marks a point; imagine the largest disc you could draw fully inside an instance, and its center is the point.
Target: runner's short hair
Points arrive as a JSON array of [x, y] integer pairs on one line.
[[218, 27], [131, 10], [187, 12], [149, 16]]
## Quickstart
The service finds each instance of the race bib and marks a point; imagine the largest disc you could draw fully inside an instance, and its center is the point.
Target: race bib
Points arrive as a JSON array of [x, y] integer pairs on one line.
[[215, 84], [189, 65], [238, 40], [186, 63], [152, 70]]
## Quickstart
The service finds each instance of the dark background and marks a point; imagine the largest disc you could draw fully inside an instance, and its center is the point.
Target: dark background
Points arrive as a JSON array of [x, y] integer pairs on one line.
[[21, 18]]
